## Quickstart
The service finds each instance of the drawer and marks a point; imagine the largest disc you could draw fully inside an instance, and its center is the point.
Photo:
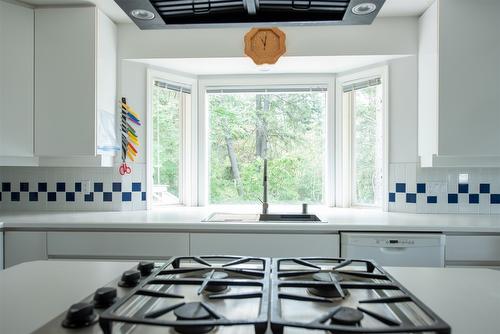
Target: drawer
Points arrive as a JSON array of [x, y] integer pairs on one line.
[[473, 248], [116, 245], [266, 244]]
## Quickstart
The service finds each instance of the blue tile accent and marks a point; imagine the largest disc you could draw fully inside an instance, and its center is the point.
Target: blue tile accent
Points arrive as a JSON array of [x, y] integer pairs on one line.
[[5, 186], [463, 188], [107, 197], [143, 196], [495, 198], [117, 187], [15, 196], [136, 186], [51, 196], [70, 197], [432, 199], [392, 197], [61, 187], [473, 198], [98, 187], [126, 197], [484, 188], [24, 187], [411, 198], [400, 187], [453, 198], [78, 187], [42, 187], [33, 196], [89, 197], [420, 188]]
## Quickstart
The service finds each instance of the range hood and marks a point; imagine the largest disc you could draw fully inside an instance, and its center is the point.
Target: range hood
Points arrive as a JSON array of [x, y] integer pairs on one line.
[[164, 14]]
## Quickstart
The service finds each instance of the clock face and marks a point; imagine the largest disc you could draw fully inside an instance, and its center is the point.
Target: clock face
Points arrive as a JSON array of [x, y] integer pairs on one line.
[[265, 42], [265, 45]]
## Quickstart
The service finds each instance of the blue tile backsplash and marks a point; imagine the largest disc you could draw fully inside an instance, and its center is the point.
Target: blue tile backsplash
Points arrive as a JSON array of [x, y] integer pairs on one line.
[[58, 188], [437, 190]]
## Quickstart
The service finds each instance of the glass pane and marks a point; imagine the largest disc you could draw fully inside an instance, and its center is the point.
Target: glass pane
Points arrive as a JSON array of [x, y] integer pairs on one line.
[[367, 145], [287, 128], [167, 105]]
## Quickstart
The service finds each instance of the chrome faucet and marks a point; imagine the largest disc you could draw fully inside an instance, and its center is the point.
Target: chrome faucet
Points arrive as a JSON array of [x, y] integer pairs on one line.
[[265, 205]]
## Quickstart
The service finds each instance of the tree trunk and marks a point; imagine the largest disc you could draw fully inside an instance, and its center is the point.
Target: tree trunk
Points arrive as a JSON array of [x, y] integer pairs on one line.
[[234, 165], [262, 108]]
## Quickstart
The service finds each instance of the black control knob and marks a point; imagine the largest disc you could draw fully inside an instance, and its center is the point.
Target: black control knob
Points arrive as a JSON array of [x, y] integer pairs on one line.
[[80, 315], [146, 267], [104, 297], [130, 278]]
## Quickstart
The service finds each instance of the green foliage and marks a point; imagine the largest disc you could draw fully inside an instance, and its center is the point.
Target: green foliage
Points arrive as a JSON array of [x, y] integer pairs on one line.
[[166, 138], [367, 144], [293, 123]]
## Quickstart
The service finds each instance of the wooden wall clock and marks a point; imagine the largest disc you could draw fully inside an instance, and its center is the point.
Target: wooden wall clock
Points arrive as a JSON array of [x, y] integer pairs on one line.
[[265, 45]]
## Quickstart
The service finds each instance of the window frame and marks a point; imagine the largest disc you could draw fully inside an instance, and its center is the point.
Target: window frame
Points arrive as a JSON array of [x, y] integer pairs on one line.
[[344, 136], [253, 81], [188, 186]]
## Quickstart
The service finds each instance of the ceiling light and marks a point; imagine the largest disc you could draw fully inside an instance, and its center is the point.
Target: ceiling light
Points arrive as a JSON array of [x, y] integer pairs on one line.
[[142, 14], [364, 8]]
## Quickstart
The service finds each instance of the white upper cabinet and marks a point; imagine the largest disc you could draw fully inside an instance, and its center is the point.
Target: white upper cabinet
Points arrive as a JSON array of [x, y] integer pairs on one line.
[[459, 84], [75, 85], [16, 85]]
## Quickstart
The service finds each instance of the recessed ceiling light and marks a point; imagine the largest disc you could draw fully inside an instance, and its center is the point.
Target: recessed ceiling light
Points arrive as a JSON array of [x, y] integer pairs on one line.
[[142, 14], [364, 8]]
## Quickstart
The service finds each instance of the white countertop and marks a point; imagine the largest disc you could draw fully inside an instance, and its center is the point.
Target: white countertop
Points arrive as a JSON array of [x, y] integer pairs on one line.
[[468, 299], [32, 293], [189, 219]]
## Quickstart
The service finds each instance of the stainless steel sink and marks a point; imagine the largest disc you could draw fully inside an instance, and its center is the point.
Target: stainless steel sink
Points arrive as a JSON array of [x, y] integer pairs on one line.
[[218, 217], [288, 217]]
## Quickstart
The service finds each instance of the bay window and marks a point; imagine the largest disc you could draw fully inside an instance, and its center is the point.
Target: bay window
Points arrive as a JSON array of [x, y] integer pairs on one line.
[[209, 137]]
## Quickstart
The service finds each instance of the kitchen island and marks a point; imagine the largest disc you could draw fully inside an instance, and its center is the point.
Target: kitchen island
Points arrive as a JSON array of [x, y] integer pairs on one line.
[[468, 299]]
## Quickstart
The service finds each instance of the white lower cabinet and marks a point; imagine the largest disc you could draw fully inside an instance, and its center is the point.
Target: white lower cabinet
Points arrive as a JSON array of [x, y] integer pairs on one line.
[[24, 246], [116, 245], [473, 250], [266, 244], [1, 250]]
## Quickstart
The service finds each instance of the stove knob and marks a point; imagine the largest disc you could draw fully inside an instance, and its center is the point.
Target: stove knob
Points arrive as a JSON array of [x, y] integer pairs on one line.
[[146, 267], [80, 315], [104, 297], [130, 278]]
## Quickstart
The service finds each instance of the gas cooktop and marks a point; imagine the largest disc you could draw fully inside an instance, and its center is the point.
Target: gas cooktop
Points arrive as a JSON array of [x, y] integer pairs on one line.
[[237, 294]]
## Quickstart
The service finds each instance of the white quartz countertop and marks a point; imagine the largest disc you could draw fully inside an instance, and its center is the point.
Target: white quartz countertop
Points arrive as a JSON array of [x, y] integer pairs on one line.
[[468, 299], [190, 219]]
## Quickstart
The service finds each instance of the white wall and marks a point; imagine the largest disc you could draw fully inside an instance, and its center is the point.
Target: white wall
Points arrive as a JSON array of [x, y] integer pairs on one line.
[[386, 36], [403, 110]]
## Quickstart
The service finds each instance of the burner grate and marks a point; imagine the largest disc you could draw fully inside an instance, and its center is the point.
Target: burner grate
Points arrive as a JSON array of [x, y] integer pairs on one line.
[[167, 275], [345, 319]]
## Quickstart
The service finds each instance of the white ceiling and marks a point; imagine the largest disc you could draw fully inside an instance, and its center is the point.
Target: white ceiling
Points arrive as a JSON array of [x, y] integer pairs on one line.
[[244, 65], [110, 8]]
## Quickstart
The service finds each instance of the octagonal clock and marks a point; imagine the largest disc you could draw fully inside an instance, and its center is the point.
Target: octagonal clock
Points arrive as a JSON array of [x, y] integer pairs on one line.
[[265, 45]]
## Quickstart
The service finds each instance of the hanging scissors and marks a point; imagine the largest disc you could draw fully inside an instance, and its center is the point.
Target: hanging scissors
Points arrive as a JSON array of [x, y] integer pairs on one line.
[[125, 169]]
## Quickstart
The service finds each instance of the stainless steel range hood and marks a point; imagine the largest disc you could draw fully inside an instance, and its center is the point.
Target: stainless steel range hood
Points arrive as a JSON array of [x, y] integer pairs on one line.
[[164, 14]]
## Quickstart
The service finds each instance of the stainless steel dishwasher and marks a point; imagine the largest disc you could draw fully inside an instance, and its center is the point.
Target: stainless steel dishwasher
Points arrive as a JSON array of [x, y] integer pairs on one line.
[[395, 249]]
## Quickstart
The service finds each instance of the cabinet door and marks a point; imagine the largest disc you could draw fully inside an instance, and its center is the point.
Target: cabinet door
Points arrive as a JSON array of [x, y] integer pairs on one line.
[[116, 245], [269, 245], [65, 81], [473, 250], [24, 247], [16, 80], [1, 250]]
